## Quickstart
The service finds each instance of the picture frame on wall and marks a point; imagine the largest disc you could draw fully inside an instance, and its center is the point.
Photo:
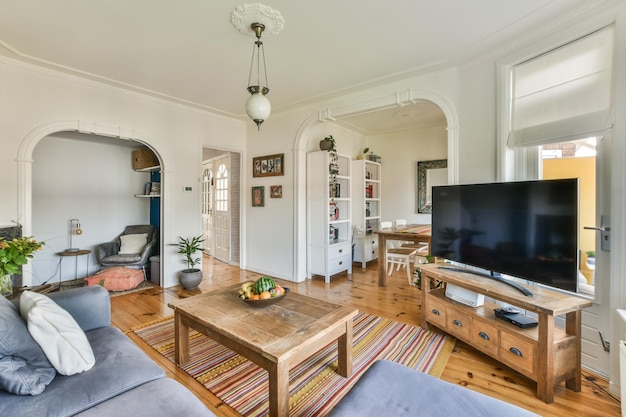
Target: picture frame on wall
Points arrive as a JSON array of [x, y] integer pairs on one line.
[[268, 166], [276, 191], [258, 196]]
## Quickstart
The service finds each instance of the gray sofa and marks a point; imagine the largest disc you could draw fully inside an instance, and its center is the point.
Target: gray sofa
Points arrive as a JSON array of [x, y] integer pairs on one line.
[[123, 382], [388, 389]]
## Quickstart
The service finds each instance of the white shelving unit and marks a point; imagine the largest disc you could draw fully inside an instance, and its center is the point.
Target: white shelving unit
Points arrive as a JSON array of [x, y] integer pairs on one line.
[[366, 208], [329, 226]]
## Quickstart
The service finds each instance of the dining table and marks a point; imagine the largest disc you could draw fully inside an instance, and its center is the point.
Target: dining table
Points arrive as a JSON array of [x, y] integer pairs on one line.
[[414, 233]]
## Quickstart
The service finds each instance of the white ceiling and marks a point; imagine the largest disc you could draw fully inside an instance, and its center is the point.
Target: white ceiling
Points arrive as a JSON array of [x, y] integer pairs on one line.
[[189, 50]]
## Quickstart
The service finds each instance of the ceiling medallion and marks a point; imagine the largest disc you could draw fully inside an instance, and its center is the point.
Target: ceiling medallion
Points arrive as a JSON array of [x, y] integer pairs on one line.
[[247, 14]]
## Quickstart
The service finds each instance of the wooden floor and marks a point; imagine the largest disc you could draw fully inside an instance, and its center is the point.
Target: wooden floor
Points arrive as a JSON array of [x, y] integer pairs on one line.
[[466, 367]]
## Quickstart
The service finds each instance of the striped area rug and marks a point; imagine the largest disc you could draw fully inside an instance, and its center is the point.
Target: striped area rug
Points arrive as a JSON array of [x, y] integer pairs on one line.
[[314, 385]]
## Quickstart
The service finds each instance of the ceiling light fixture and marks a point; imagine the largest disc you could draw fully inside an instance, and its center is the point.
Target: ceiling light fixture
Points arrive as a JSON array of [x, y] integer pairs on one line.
[[257, 19]]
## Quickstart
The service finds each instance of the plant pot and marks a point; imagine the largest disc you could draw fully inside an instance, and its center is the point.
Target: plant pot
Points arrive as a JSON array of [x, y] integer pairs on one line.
[[325, 144], [190, 278]]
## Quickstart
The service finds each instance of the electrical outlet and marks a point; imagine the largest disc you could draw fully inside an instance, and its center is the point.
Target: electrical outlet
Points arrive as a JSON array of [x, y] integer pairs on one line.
[[187, 189]]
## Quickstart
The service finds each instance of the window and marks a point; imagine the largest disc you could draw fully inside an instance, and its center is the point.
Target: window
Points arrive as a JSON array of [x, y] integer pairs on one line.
[[563, 94]]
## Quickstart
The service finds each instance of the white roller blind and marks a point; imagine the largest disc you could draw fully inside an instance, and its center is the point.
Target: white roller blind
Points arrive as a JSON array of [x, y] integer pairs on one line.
[[564, 94]]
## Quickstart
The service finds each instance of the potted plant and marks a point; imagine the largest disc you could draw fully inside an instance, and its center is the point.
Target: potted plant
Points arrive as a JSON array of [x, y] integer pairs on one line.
[[363, 154], [428, 259], [190, 277], [13, 254], [329, 144]]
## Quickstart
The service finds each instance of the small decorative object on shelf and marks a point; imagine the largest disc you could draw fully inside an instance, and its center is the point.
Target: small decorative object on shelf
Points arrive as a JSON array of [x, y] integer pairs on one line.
[[155, 188], [13, 254]]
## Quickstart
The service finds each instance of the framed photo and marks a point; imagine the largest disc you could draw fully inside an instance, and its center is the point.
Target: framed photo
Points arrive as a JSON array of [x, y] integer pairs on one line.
[[276, 191], [258, 196], [268, 166]]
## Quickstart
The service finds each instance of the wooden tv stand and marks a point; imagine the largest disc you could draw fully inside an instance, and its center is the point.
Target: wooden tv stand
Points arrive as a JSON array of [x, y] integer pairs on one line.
[[545, 353]]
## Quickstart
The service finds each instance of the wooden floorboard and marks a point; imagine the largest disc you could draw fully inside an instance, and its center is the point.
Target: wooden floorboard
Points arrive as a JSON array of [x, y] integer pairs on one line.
[[466, 367]]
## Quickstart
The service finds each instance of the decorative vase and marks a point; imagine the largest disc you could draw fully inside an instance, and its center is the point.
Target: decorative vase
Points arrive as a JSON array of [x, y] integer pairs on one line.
[[6, 285], [190, 278], [325, 144]]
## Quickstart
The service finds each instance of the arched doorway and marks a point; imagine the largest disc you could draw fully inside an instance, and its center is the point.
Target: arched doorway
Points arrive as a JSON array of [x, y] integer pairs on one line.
[[310, 132], [25, 163]]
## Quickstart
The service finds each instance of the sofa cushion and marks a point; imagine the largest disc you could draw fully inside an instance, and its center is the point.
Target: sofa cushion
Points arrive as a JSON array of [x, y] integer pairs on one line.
[[390, 389], [133, 243], [167, 398], [58, 334], [24, 368], [120, 366]]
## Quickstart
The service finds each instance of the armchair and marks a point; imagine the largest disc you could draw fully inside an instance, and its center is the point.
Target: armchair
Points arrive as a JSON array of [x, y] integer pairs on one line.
[[108, 254]]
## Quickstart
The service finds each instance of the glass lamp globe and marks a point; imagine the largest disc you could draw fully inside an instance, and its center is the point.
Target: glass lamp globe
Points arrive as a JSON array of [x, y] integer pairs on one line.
[[258, 107]]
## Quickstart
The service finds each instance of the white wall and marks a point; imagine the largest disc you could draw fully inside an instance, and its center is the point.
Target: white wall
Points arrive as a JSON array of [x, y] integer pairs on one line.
[[75, 176], [32, 99], [400, 153]]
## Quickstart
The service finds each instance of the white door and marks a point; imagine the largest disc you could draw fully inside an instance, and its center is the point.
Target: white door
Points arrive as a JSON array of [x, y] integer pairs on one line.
[[595, 320], [207, 207], [221, 208], [594, 206]]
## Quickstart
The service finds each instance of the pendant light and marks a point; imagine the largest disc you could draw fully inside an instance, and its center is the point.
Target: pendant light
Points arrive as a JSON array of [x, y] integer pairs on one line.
[[257, 19]]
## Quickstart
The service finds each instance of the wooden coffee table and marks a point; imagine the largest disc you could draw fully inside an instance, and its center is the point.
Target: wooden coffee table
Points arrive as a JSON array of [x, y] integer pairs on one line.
[[276, 337]]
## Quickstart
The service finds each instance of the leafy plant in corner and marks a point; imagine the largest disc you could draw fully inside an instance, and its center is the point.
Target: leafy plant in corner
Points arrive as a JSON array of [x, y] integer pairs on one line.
[[418, 275], [189, 247]]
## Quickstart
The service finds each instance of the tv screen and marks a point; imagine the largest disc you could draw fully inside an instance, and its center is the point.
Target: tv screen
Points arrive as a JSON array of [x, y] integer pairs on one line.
[[523, 229]]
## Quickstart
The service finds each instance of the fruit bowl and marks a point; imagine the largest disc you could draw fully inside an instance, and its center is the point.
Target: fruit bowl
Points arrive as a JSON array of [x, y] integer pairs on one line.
[[266, 302]]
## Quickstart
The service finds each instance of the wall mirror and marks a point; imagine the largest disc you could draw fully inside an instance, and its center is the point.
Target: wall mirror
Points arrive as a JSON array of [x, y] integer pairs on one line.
[[429, 174]]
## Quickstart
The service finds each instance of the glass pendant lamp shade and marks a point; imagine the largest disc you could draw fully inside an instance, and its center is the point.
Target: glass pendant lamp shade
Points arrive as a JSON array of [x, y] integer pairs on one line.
[[256, 19], [258, 107]]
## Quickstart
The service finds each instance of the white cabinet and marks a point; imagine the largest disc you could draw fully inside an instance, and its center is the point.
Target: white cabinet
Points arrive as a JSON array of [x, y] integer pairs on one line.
[[366, 203], [329, 227]]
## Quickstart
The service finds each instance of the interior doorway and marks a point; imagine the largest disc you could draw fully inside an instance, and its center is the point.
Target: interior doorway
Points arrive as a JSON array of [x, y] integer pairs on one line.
[[221, 199]]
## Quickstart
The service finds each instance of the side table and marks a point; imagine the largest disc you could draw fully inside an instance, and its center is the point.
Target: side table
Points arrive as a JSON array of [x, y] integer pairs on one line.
[[75, 254]]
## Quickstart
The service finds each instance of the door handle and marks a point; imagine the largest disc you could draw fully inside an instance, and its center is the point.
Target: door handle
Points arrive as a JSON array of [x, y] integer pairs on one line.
[[599, 229], [605, 232]]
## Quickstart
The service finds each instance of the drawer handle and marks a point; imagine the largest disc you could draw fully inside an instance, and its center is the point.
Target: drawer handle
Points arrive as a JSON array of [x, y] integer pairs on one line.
[[372, 242], [340, 262], [340, 250], [483, 335], [436, 312], [458, 323], [516, 351]]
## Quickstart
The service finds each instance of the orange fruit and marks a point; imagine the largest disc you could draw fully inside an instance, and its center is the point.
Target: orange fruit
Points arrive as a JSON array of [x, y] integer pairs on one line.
[[265, 295], [254, 296]]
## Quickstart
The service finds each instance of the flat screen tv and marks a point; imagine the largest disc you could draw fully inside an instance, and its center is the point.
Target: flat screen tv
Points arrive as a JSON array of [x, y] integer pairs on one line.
[[525, 229]]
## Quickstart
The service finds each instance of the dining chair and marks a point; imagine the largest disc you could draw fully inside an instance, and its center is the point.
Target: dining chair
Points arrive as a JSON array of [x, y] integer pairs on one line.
[[398, 256]]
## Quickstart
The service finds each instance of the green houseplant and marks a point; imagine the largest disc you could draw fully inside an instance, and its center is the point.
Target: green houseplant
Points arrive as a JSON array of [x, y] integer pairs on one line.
[[328, 144], [190, 277], [13, 254]]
